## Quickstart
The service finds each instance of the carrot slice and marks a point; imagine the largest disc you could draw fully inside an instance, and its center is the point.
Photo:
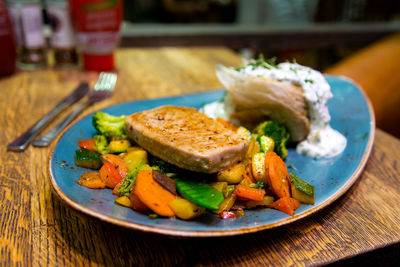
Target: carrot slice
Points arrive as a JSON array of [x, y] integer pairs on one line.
[[118, 162], [153, 195], [276, 173], [268, 156], [249, 193], [110, 175], [137, 204], [286, 204], [91, 180], [87, 144], [248, 174], [227, 124]]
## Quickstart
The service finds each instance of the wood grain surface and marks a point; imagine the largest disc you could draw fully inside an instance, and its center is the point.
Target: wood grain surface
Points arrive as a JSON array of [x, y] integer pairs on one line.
[[376, 70], [36, 228]]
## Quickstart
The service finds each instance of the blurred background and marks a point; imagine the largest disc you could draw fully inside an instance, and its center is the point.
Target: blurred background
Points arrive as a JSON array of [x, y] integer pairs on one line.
[[318, 33]]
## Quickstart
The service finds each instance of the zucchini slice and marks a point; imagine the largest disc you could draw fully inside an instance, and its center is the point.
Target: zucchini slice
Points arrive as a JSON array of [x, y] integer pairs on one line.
[[87, 159], [301, 190]]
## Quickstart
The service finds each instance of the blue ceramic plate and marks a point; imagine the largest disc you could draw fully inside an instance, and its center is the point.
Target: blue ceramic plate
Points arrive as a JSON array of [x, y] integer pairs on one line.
[[351, 115]]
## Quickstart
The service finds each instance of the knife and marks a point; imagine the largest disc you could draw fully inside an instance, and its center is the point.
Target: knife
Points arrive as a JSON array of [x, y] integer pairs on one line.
[[22, 142]]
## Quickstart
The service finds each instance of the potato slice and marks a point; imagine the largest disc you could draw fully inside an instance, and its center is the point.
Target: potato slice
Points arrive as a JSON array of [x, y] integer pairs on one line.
[[220, 186], [118, 146], [231, 175], [184, 209], [135, 158], [123, 201]]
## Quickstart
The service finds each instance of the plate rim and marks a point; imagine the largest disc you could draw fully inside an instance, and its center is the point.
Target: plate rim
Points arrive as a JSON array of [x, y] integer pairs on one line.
[[181, 233]]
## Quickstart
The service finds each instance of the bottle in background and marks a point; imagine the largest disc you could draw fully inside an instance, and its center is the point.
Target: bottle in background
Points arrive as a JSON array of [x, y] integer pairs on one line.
[[27, 21], [7, 44], [62, 39], [97, 24]]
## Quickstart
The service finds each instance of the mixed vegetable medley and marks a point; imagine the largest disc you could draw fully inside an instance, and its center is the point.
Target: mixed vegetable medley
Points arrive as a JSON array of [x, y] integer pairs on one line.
[[148, 184]]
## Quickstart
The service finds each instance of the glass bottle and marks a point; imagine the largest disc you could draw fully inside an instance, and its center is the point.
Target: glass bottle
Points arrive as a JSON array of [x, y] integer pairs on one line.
[[98, 24], [62, 39], [28, 29], [7, 44]]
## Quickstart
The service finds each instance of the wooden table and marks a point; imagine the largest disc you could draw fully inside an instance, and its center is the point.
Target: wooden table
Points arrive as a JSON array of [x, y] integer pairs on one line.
[[36, 228]]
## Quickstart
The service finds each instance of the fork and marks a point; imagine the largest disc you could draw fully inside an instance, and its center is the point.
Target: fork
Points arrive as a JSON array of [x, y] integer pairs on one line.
[[102, 89]]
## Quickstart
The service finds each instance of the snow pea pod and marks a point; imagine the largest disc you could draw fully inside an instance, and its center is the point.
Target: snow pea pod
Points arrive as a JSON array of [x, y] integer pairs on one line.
[[200, 193]]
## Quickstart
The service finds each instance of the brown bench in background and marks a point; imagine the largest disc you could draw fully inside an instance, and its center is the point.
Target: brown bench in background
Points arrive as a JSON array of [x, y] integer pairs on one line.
[[376, 69]]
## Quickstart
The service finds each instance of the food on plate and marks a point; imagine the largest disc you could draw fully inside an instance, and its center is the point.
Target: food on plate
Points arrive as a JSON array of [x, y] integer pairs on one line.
[[276, 174], [200, 193], [184, 209], [272, 137], [286, 204], [87, 159], [181, 163], [186, 138], [109, 126], [254, 98], [153, 194], [287, 93], [301, 190], [91, 180]]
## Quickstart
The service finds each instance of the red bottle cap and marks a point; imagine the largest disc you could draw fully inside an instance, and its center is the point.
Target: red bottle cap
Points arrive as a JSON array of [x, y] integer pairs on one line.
[[98, 62]]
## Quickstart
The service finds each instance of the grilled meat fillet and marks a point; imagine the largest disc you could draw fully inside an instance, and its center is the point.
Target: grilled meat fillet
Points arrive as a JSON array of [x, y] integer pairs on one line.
[[186, 138]]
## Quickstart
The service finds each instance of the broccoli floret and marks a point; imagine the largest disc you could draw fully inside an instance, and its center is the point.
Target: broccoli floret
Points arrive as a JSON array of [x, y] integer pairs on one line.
[[130, 180], [278, 133], [280, 136], [259, 130], [101, 144], [110, 126]]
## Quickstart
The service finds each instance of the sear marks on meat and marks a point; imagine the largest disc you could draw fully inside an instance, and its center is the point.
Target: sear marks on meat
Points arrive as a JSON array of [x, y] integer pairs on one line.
[[186, 138]]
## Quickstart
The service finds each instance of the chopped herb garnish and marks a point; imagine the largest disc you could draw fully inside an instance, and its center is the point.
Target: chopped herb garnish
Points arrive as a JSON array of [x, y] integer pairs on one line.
[[153, 216], [293, 69], [291, 166], [309, 81], [229, 189], [363, 135], [129, 181], [261, 62], [258, 185]]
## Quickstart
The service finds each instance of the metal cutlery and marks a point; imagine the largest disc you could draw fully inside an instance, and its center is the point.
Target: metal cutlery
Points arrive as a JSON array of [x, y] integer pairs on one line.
[[102, 90], [22, 142]]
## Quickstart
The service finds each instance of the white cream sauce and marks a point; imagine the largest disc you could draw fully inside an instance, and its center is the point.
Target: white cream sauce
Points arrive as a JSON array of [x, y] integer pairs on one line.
[[322, 141], [215, 110]]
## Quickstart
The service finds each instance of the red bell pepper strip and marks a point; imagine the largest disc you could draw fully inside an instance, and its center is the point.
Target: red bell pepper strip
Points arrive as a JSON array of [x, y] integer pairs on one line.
[[227, 215], [110, 175], [87, 144]]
